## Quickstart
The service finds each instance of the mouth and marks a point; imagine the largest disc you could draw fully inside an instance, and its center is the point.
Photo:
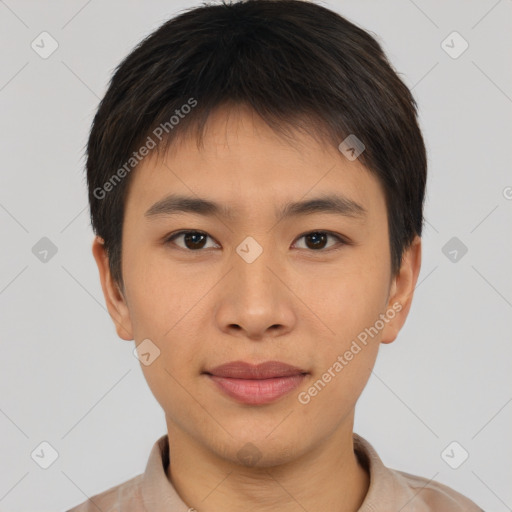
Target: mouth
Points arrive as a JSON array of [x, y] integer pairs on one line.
[[256, 384]]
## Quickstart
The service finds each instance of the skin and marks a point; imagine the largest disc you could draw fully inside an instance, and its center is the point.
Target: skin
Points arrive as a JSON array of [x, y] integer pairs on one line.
[[295, 303]]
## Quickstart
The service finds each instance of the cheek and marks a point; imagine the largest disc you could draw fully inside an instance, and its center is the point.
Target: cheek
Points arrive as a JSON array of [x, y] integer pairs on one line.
[[346, 358], [336, 389], [350, 304], [348, 298], [155, 293], [165, 305]]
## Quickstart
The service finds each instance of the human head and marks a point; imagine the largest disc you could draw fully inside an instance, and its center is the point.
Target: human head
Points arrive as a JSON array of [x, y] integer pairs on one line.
[[269, 138]]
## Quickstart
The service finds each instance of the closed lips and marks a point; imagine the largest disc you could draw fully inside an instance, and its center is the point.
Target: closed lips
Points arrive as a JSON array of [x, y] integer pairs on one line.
[[266, 370]]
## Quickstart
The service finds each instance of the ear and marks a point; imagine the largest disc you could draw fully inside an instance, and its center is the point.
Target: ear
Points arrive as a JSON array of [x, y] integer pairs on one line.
[[116, 303], [402, 290]]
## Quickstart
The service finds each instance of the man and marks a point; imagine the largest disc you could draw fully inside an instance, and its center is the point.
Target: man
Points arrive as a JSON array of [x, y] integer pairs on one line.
[[256, 179]]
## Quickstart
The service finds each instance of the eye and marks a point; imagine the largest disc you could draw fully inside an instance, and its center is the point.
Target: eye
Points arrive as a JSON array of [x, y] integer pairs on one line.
[[196, 240], [193, 240], [316, 240]]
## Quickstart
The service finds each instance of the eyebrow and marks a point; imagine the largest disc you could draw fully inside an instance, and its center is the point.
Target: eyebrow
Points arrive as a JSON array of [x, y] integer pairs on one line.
[[328, 203]]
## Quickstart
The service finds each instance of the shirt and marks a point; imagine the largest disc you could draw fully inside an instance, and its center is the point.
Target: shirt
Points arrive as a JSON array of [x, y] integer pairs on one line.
[[389, 490]]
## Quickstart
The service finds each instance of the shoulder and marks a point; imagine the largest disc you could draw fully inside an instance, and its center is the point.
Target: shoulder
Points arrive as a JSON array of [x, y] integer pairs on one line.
[[125, 497], [391, 489], [430, 495]]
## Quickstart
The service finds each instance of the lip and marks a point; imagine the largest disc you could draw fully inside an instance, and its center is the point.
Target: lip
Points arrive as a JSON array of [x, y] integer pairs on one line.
[[266, 370], [256, 384]]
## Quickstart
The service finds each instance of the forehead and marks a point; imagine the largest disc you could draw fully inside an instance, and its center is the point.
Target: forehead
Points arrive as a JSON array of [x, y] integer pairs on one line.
[[244, 163]]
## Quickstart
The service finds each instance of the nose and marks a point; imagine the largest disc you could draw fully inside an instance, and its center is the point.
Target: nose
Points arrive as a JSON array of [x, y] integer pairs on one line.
[[255, 301]]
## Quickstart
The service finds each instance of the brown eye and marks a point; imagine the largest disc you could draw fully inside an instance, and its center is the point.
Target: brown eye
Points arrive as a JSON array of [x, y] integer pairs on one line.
[[192, 240], [196, 240], [316, 240]]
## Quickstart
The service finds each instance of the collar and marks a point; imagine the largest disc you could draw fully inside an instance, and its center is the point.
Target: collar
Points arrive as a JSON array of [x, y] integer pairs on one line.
[[387, 488]]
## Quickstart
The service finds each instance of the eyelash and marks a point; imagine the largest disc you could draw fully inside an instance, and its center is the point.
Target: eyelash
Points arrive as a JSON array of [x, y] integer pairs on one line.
[[341, 240]]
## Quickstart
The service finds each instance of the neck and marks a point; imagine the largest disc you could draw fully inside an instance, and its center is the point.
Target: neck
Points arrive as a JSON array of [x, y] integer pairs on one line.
[[329, 477]]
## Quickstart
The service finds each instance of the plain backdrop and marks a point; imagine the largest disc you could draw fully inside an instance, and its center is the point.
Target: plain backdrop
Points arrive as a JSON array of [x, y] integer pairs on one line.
[[67, 380]]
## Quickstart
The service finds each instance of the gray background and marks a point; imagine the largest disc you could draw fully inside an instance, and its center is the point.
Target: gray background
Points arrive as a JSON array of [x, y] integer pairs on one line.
[[67, 379]]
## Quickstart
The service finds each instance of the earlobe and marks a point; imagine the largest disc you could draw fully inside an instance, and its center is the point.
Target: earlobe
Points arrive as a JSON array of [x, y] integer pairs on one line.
[[402, 291], [115, 301]]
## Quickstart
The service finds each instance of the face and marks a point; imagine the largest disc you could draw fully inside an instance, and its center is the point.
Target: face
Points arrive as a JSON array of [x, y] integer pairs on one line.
[[251, 281]]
